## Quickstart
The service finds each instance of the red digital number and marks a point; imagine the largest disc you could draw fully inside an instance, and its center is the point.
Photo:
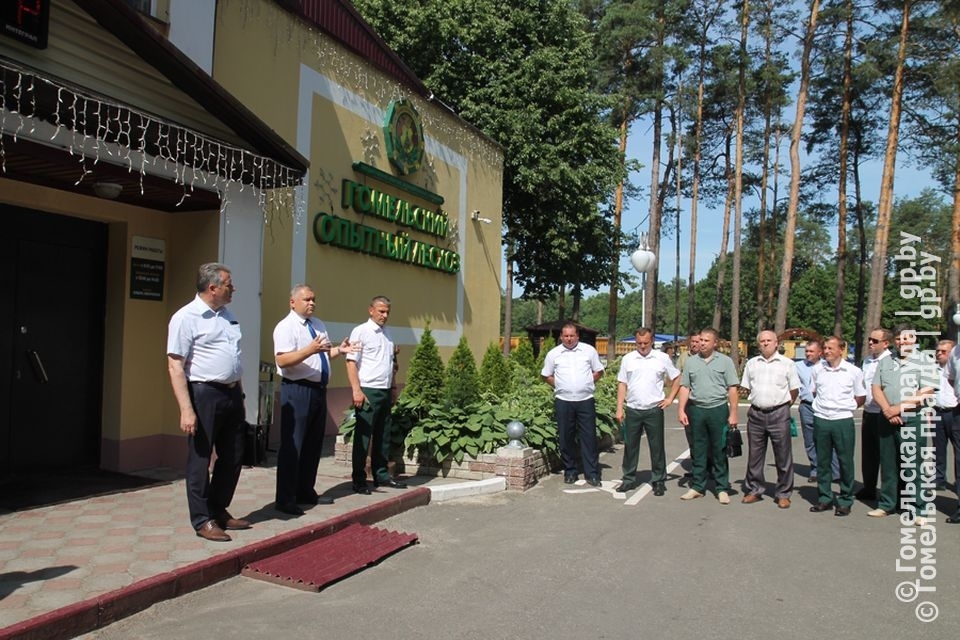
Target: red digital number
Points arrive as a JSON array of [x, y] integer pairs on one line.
[[24, 7]]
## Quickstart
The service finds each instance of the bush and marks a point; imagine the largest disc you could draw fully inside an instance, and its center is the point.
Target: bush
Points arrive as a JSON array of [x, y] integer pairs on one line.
[[425, 376], [460, 384], [494, 373], [522, 356]]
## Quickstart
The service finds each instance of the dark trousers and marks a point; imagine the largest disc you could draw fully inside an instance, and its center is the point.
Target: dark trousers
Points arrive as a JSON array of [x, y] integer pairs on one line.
[[709, 429], [303, 418], [635, 422], [775, 426], [810, 443], [219, 425], [578, 419], [870, 449], [888, 448], [835, 436], [373, 425], [947, 430]]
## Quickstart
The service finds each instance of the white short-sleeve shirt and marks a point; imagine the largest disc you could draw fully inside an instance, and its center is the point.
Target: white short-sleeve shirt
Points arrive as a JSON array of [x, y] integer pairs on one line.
[[292, 334], [572, 371], [207, 340], [835, 391], [644, 377], [375, 359]]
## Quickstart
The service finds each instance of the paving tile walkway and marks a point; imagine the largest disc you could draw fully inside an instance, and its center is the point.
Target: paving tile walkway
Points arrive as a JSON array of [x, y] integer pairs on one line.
[[57, 556]]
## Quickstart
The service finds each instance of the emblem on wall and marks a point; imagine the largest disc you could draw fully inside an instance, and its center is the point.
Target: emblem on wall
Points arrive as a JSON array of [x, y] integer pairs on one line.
[[403, 132]]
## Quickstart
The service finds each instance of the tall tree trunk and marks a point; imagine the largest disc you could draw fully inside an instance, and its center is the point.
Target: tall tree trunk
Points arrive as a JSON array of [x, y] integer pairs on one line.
[[694, 200], [885, 206], [679, 139], [615, 276], [738, 186], [953, 274], [842, 254], [508, 303], [858, 330], [577, 294], [724, 238], [562, 303], [653, 235], [783, 294]]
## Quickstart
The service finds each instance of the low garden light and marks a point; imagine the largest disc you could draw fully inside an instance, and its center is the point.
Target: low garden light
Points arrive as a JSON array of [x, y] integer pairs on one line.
[[515, 431]]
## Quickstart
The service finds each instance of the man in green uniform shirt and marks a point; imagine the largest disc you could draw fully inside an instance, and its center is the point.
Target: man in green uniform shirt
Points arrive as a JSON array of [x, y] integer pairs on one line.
[[708, 404]]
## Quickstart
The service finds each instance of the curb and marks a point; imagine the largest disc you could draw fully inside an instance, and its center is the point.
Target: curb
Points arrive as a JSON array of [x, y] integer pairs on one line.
[[444, 492], [95, 613]]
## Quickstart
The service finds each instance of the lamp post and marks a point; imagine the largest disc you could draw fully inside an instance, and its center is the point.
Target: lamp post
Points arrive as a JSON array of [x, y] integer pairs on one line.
[[643, 260], [956, 321]]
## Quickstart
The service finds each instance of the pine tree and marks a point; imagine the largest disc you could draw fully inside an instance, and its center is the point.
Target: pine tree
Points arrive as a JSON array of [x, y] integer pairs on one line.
[[460, 384], [494, 375], [523, 356], [425, 377]]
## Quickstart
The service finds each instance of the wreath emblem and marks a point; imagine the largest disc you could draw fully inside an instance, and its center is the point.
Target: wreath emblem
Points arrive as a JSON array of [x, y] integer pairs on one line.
[[403, 132]]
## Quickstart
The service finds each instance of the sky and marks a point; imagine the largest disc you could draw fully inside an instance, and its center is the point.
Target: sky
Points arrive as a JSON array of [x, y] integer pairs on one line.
[[908, 182]]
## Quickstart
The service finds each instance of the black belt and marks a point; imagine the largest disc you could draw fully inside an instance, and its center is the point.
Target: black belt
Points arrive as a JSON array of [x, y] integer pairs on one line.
[[806, 402], [223, 386], [771, 409], [305, 383], [945, 409]]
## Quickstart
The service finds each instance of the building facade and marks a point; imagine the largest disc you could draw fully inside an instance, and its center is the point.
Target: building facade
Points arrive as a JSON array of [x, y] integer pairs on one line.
[[141, 139]]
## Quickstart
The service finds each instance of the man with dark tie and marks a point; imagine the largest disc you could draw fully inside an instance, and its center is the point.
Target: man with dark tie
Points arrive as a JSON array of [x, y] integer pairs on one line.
[[203, 360], [303, 353]]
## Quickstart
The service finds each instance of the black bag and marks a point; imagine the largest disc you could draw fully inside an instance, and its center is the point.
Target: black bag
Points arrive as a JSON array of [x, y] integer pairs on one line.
[[254, 445], [734, 443]]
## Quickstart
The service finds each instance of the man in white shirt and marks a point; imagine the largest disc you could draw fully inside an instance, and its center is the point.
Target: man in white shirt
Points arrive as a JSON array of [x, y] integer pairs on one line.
[[951, 371], [838, 390], [772, 381], [203, 360], [879, 345], [572, 368], [303, 353], [370, 371], [640, 405], [947, 428]]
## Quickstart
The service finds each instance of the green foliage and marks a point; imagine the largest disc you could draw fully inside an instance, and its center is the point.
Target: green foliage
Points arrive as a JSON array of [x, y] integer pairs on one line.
[[425, 376], [494, 375], [522, 357], [460, 384]]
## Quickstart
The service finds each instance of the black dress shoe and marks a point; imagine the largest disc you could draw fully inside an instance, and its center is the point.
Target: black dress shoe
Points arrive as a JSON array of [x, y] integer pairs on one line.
[[941, 486], [593, 481], [315, 500], [289, 509], [842, 511], [954, 519], [391, 482], [362, 489], [623, 487], [821, 506], [659, 489], [866, 494], [569, 478]]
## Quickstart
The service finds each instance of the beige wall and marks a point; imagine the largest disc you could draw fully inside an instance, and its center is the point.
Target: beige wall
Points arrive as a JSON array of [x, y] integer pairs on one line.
[[330, 105], [140, 426]]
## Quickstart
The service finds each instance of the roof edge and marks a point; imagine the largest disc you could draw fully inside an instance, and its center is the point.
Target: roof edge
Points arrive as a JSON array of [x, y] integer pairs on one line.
[[129, 27]]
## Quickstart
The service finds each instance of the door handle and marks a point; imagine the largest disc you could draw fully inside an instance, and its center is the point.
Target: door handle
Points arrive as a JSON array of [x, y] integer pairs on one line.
[[38, 369]]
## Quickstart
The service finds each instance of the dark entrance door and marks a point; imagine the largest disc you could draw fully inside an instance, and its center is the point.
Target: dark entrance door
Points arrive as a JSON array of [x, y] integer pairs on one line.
[[52, 289]]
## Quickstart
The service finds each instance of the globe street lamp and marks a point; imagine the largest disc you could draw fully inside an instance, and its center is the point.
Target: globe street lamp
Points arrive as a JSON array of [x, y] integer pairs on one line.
[[643, 261]]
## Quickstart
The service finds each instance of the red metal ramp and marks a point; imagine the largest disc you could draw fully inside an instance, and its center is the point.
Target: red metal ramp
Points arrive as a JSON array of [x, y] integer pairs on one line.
[[317, 564]]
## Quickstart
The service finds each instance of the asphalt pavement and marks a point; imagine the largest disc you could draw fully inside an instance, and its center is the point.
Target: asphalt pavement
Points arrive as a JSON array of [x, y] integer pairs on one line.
[[576, 562]]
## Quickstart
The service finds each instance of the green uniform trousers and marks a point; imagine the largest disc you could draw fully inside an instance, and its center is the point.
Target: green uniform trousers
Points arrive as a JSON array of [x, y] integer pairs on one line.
[[839, 436], [373, 424], [709, 428], [635, 422]]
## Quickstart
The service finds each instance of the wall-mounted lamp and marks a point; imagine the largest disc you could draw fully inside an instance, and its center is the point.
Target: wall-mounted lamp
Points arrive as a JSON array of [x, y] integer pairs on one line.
[[107, 190], [476, 216]]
